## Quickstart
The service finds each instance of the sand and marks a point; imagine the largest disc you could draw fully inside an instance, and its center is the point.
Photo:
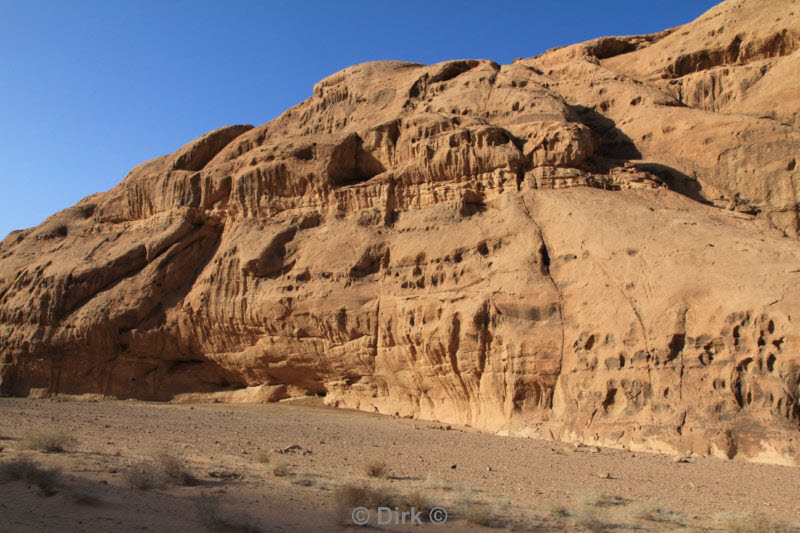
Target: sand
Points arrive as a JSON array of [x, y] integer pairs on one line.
[[507, 482]]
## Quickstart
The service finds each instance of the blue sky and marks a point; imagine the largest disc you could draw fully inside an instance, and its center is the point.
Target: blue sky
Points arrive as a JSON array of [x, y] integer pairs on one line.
[[88, 89]]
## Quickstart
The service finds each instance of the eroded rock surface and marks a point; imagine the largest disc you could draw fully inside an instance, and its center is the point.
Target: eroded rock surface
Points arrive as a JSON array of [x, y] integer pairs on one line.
[[597, 244]]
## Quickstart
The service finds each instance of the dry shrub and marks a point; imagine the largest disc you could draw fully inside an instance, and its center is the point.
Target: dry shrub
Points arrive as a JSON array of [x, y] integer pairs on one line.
[[587, 517], [604, 500], [432, 483], [304, 481], [173, 470], [263, 457], [143, 476], [417, 499], [375, 468], [756, 523], [559, 512], [481, 513], [587, 514], [281, 469], [211, 515], [26, 470], [351, 495], [657, 513], [162, 469], [50, 441]]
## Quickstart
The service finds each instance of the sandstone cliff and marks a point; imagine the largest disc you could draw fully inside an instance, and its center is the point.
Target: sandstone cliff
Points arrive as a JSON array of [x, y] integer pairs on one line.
[[598, 244]]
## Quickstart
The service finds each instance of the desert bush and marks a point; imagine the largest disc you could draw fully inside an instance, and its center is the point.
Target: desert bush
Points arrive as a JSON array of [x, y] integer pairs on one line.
[[143, 476], [162, 469], [432, 483], [281, 469], [481, 513], [26, 470], [210, 514], [417, 499], [50, 441], [303, 481], [657, 513], [559, 512], [603, 500], [587, 514], [173, 469], [263, 457], [351, 495], [374, 468], [587, 517], [756, 523], [467, 506]]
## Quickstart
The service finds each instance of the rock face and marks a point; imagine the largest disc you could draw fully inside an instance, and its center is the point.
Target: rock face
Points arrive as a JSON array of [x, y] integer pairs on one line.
[[598, 244]]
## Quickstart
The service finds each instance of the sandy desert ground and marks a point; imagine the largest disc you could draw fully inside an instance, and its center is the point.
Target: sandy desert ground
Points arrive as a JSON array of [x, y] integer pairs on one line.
[[287, 466]]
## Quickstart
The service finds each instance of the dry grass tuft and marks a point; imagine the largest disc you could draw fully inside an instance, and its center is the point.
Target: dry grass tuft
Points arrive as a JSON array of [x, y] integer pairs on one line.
[[432, 483], [143, 476], [478, 511], [161, 470], [604, 500], [375, 468], [657, 513], [26, 470], [559, 512], [481, 513], [417, 499], [756, 523], [173, 469], [303, 481], [50, 441], [211, 515], [351, 495], [281, 469], [263, 457], [587, 517]]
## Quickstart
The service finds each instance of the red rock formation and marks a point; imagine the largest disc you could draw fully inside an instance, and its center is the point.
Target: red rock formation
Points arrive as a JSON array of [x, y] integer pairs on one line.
[[596, 244]]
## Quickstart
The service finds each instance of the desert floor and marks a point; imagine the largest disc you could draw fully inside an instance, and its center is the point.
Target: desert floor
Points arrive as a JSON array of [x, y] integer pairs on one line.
[[246, 478]]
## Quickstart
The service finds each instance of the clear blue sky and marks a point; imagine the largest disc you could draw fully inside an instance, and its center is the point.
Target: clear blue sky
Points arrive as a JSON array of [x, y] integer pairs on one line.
[[88, 89]]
